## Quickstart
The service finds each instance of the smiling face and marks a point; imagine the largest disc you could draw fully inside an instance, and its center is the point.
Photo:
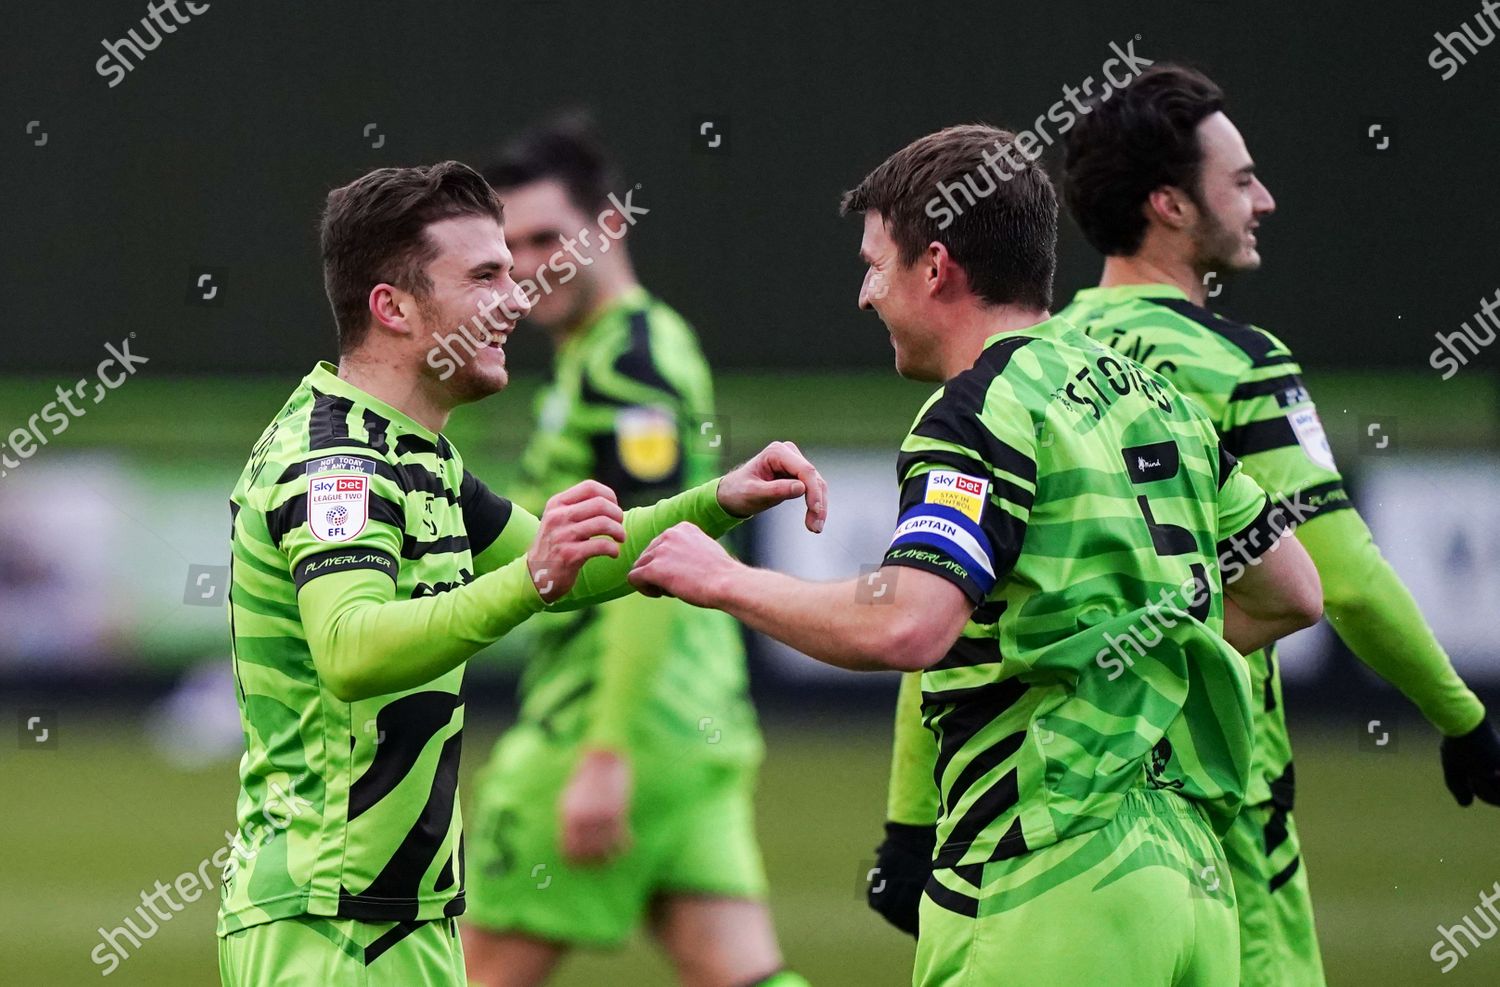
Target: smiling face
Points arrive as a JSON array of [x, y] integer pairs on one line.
[[1231, 200], [473, 294], [900, 295]]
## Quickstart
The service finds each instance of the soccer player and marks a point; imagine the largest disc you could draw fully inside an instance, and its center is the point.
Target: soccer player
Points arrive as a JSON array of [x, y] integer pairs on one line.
[[1161, 183], [625, 790], [368, 566], [1055, 578]]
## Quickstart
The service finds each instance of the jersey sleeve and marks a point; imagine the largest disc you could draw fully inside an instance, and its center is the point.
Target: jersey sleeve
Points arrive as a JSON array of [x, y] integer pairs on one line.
[[337, 513], [1271, 425], [967, 486], [635, 419], [497, 528], [1248, 523]]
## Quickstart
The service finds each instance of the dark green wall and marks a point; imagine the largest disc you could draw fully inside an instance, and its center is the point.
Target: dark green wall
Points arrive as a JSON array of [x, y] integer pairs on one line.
[[218, 149]]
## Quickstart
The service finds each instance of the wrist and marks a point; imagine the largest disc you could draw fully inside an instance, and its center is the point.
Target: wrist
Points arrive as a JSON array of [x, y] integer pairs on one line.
[[726, 508], [722, 586]]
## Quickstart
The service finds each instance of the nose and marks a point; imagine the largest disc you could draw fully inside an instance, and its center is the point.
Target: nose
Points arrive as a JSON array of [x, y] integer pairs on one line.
[[521, 302], [1264, 204], [866, 292]]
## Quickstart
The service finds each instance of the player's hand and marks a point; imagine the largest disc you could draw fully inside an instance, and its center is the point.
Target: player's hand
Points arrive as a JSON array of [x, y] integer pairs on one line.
[[780, 473], [569, 535], [902, 865], [595, 808], [1471, 764], [682, 562]]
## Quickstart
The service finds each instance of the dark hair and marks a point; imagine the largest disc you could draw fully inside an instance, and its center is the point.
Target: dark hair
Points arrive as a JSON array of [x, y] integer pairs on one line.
[[375, 229], [1142, 138], [565, 149], [1004, 231]]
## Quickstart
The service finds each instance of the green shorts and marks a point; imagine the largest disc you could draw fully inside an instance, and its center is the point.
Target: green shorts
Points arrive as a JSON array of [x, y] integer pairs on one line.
[[1278, 943], [693, 826], [1144, 901], [311, 951]]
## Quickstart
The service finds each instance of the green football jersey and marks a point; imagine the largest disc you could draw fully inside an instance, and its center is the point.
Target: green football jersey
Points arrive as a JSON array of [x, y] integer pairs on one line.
[[631, 405], [1082, 505], [346, 809], [1247, 382]]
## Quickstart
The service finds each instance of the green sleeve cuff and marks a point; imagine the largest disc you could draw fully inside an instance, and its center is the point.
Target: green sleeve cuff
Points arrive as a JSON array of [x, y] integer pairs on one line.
[[709, 514]]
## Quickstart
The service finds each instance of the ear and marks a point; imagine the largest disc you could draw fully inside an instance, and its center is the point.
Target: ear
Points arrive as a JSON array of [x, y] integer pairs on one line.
[[940, 272], [1171, 207], [393, 308]]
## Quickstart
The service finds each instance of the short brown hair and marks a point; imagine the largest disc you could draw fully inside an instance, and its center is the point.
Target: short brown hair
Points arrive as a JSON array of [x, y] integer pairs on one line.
[[375, 229], [1005, 234]]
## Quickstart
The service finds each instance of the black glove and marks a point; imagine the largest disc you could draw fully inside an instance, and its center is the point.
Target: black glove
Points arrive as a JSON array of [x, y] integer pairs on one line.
[[1471, 764], [902, 865]]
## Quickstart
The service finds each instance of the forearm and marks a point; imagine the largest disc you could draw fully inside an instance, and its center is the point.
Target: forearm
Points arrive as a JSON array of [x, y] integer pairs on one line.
[[913, 798], [825, 621], [1375, 615], [603, 578], [363, 645]]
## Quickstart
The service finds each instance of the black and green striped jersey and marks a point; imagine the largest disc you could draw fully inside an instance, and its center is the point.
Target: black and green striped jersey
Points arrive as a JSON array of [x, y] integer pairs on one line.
[[1248, 383], [1082, 504], [631, 405], [347, 809]]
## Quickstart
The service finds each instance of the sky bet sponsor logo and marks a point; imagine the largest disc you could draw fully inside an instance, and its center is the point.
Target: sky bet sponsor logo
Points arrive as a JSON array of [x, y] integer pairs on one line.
[[338, 505], [964, 494]]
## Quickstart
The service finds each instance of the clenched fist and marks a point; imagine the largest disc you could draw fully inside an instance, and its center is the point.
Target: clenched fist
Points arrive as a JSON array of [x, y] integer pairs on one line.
[[569, 535]]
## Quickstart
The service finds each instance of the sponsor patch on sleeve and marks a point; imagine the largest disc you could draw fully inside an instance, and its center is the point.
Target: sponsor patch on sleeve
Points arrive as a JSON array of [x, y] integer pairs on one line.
[[965, 494], [338, 497], [1308, 428]]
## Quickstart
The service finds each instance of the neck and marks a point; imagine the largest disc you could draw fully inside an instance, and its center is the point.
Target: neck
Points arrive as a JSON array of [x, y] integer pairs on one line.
[[394, 384], [964, 339], [1153, 265]]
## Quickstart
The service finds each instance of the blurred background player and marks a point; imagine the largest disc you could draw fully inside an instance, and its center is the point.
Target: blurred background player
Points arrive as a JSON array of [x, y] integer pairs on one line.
[[625, 791], [1056, 500], [1160, 182]]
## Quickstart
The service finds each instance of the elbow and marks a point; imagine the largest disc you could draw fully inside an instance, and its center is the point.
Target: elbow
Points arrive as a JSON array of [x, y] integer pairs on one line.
[[340, 679], [910, 645], [1305, 607], [346, 688]]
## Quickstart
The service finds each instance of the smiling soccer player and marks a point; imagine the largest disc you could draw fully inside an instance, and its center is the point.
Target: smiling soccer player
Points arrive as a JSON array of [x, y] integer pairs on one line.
[[1051, 492], [368, 566]]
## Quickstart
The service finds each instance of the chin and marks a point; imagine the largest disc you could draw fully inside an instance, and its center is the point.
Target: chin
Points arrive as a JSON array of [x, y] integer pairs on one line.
[[480, 383]]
